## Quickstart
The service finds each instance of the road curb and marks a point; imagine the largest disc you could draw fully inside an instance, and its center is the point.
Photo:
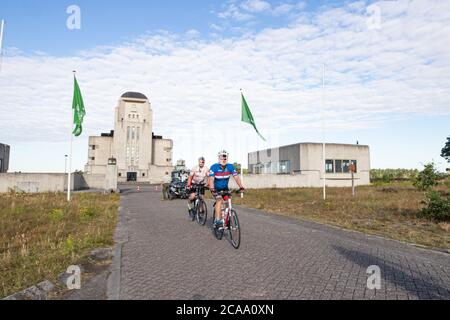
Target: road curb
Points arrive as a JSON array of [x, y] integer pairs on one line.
[[120, 238]]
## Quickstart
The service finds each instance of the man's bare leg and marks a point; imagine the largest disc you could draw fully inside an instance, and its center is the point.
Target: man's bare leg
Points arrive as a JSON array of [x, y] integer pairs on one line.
[[219, 209]]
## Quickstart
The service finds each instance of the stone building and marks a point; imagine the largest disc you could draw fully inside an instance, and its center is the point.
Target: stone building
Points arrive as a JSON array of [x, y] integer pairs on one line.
[[140, 155]]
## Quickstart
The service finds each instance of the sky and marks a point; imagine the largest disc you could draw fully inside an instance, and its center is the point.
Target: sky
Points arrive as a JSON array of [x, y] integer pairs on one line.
[[387, 75]]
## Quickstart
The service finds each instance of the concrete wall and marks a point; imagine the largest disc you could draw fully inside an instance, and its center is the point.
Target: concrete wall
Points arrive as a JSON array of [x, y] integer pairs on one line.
[[92, 181], [56, 182], [304, 180], [33, 182]]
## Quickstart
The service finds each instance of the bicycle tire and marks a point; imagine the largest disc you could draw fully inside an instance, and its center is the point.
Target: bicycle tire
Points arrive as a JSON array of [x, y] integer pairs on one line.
[[202, 213], [192, 214], [233, 223]]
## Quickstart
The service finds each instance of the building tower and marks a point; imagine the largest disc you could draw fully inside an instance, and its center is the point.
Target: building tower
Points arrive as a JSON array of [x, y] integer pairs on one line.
[[140, 155]]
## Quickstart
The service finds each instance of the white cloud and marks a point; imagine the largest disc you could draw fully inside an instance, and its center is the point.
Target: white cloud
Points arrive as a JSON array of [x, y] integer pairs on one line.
[[283, 9], [372, 76], [234, 13], [192, 33], [256, 6], [250, 9]]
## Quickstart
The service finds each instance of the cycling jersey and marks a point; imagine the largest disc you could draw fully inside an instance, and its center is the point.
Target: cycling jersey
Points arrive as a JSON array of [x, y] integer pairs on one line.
[[199, 175], [222, 176]]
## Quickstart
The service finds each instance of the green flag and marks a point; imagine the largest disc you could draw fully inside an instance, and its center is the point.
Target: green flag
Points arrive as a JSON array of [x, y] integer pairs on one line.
[[247, 116], [78, 110]]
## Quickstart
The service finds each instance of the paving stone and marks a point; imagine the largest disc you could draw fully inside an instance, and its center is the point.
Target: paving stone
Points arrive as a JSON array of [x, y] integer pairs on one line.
[[165, 256]]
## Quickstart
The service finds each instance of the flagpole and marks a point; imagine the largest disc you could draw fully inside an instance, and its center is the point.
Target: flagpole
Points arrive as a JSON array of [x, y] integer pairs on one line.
[[242, 151], [70, 155], [323, 136], [2, 26], [70, 168]]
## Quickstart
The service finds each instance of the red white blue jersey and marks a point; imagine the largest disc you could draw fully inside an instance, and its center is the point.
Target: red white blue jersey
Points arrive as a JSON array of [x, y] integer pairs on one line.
[[222, 176]]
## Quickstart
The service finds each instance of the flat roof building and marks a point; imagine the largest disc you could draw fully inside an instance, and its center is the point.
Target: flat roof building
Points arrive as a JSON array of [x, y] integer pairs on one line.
[[4, 158], [307, 159]]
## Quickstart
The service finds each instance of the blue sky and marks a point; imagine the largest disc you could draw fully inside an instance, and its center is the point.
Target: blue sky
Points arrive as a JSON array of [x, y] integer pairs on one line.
[[40, 25], [387, 74]]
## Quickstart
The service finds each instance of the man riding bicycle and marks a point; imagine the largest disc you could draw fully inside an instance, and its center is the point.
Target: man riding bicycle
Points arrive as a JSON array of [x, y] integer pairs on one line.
[[219, 176], [198, 176]]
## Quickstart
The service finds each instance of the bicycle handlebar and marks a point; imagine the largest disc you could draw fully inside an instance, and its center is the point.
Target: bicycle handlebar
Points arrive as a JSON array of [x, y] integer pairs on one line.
[[229, 192]]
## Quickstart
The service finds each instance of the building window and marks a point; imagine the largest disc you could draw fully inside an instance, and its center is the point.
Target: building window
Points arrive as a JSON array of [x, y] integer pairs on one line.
[[284, 167], [128, 133], [137, 133], [120, 174], [329, 166], [269, 153], [338, 166], [92, 158], [143, 174], [133, 132]]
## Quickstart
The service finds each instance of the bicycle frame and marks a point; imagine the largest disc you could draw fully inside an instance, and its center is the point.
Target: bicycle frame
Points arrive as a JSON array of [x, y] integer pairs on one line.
[[227, 207]]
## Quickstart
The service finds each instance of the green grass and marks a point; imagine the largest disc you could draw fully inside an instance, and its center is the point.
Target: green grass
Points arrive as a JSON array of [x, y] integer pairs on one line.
[[41, 234], [388, 210]]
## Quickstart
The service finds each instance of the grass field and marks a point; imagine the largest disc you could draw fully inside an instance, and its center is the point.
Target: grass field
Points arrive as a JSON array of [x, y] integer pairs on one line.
[[41, 234], [387, 209]]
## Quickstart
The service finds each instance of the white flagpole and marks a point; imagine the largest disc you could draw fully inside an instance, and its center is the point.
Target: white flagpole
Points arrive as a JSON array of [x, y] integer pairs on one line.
[[70, 166], [70, 155], [242, 150], [323, 136], [2, 27]]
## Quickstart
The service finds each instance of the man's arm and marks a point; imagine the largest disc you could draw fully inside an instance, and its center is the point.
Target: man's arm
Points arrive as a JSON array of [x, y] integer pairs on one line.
[[238, 181], [211, 183], [189, 181]]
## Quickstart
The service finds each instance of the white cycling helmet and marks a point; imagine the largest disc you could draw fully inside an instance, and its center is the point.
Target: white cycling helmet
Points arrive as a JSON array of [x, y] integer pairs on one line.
[[223, 153]]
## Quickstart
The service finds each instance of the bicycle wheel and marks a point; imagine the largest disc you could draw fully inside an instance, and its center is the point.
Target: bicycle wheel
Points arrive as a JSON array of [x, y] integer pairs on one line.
[[234, 229], [202, 213], [192, 213]]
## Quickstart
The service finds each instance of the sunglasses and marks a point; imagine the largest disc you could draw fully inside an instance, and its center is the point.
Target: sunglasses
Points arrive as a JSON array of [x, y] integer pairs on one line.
[[223, 158]]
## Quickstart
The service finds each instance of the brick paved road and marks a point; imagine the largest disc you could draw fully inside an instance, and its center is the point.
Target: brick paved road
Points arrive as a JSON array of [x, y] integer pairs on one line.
[[164, 256]]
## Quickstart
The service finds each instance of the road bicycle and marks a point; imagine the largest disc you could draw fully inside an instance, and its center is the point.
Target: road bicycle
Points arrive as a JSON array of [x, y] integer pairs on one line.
[[231, 224]]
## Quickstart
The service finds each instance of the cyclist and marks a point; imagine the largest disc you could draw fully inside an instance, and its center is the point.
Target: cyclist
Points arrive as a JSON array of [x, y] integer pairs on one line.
[[198, 175], [219, 175]]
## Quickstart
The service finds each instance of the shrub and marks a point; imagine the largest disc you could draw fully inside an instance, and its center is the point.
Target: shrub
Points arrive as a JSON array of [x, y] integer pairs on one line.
[[389, 175], [437, 206], [56, 215], [87, 213], [427, 178]]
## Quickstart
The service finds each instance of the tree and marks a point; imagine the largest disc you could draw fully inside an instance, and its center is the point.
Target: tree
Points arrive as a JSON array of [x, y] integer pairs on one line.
[[446, 151], [427, 178]]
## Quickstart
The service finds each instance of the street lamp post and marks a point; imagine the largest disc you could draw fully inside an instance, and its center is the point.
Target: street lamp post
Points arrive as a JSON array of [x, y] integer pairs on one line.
[[65, 164]]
